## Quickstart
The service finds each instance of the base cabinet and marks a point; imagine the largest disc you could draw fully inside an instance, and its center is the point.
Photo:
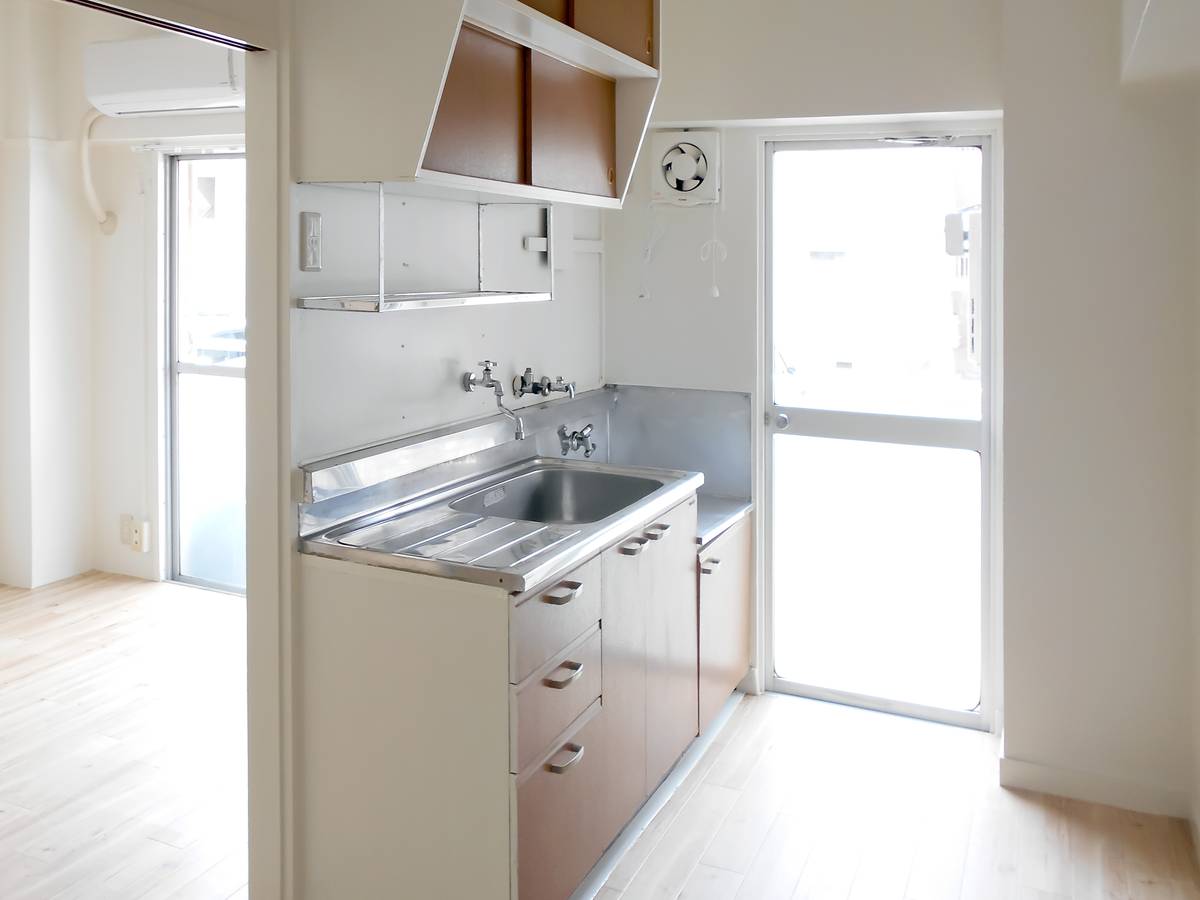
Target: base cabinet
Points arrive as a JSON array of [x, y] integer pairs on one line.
[[459, 741], [725, 603]]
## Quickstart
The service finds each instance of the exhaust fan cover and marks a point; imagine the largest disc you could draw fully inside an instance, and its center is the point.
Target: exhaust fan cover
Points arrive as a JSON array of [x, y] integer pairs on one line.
[[686, 168]]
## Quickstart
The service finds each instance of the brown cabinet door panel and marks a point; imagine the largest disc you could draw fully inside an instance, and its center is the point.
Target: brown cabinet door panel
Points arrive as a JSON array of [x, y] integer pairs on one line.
[[555, 9], [625, 25], [558, 834], [725, 617], [572, 128], [623, 642], [480, 125]]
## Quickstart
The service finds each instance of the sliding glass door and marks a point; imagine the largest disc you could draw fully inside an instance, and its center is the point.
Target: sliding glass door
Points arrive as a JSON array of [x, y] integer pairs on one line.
[[207, 340], [878, 273]]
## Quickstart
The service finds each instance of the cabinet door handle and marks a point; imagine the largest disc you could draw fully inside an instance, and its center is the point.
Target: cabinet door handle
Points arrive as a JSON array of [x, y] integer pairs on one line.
[[563, 594], [709, 566], [576, 756], [634, 547], [576, 670], [657, 532]]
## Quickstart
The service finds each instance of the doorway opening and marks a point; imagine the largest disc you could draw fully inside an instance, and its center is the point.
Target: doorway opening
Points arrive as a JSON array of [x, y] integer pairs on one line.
[[878, 296]]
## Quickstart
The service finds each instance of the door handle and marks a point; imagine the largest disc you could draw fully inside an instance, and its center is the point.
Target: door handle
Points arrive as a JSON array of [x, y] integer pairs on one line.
[[709, 566], [657, 532], [563, 594], [782, 421], [559, 684], [634, 547], [577, 755]]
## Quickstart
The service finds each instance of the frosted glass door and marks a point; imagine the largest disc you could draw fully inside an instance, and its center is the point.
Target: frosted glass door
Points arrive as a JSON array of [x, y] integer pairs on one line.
[[878, 318], [208, 347]]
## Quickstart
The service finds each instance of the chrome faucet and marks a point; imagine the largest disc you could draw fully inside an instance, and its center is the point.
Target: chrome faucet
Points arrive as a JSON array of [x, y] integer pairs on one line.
[[577, 440], [528, 383], [470, 381]]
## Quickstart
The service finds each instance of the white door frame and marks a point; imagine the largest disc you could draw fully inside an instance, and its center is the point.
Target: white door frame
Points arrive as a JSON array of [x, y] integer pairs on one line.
[[982, 436]]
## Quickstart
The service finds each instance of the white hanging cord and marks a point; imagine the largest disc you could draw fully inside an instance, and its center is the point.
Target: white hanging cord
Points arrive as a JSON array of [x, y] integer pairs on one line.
[[106, 219], [656, 235], [714, 250]]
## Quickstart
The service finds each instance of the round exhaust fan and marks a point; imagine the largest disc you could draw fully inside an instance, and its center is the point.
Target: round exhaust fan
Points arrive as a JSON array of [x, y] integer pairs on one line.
[[685, 167]]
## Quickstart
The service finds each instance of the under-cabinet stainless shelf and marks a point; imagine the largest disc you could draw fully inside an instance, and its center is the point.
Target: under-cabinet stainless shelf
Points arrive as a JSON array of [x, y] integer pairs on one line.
[[429, 300]]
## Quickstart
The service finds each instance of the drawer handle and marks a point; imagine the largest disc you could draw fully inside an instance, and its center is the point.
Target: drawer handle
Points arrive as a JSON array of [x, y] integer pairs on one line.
[[657, 532], [709, 566], [634, 547], [576, 756], [563, 594], [558, 684]]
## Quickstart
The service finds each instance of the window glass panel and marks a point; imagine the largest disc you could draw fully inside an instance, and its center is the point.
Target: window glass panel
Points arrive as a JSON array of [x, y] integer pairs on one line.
[[211, 461], [877, 279], [877, 586], [211, 262]]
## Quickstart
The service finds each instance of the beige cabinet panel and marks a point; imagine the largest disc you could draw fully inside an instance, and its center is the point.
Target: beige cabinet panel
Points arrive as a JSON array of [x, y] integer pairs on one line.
[[726, 579], [671, 641]]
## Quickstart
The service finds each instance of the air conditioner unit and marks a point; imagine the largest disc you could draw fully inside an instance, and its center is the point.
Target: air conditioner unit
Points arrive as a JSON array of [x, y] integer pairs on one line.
[[685, 167], [163, 76]]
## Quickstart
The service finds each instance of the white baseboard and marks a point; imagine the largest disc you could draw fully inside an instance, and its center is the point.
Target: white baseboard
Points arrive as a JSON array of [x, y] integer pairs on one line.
[[1120, 792]]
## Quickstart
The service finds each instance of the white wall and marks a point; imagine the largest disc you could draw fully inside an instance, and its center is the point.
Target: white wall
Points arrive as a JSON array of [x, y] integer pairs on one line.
[[1099, 365], [46, 306], [128, 361], [361, 378], [796, 58], [1100, 371], [663, 327]]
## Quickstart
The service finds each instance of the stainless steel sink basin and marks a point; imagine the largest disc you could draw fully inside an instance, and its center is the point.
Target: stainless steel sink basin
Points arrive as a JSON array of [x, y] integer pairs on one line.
[[558, 496]]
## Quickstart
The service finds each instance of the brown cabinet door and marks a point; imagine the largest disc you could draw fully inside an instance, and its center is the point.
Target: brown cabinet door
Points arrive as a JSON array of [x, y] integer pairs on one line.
[[623, 651], [625, 25], [572, 115], [555, 9], [725, 603], [558, 834], [479, 129], [671, 642]]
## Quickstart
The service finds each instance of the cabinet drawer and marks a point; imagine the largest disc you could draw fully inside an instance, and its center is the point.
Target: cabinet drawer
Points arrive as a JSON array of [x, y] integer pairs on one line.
[[559, 836], [547, 620], [554, 696]]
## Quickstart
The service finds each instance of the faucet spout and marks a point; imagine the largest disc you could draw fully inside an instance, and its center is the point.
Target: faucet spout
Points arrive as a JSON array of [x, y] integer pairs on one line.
[[518, 422]]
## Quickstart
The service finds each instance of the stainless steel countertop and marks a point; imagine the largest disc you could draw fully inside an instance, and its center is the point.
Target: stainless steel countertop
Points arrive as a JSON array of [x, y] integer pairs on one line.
[[715, 516], [426, 535]]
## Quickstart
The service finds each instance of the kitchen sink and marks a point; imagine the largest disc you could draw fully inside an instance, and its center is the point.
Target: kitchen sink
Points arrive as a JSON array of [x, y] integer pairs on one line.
[[558, 496]]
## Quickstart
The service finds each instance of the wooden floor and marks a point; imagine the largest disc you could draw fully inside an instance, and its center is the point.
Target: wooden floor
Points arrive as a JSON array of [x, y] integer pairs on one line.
[[122, 742], [799, 799]]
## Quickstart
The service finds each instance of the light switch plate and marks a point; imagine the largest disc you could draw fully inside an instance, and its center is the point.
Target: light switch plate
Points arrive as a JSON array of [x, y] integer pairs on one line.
[[310, 242]]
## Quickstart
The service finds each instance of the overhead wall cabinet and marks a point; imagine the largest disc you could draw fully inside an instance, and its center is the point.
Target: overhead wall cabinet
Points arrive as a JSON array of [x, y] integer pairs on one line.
[[543, 101]]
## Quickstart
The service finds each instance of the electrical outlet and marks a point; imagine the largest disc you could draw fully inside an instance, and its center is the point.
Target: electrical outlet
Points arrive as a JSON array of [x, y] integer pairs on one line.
[[135, 534], [140, 537]]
